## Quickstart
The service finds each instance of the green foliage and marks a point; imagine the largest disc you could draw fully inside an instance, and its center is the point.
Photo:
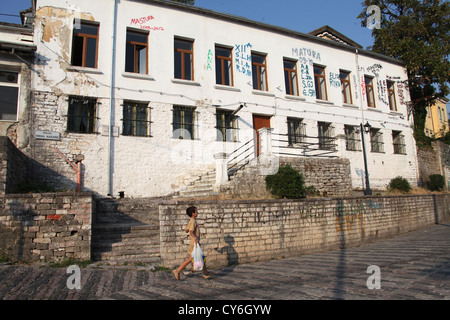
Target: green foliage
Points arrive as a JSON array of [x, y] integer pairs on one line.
[[416, 32], [436, 183], [400, 184], [286, 183]]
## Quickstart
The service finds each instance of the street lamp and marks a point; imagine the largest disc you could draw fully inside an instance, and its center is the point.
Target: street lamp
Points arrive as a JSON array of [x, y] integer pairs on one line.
[[366, 128]]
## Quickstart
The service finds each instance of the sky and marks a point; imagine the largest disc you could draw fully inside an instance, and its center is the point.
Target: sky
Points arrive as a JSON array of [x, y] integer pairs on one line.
[[299, 15]]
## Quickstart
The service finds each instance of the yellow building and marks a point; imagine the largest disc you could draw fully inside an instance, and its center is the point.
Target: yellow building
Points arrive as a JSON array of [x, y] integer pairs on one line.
[[436, 124]]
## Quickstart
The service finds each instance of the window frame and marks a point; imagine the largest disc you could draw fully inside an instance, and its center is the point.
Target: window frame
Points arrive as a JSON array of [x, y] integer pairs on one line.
[[258, 66], [221, 61], [182, 125], [391, 95], [398, 142], [134, 120], [343, 84], [135, 52], [318, 87], [16, 85], [326, 137], [85, 37], [352, 138], [91, 123], [370, 91], [183, 52], [376, 141], [291, 88], [296, 131], [226, 117]]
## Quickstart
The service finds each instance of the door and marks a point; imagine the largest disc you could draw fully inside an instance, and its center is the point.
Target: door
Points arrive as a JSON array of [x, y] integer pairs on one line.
[[258, 123]]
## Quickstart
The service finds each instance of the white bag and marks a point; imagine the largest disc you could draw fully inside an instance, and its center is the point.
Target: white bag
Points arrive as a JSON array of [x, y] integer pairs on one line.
[[197, 258]]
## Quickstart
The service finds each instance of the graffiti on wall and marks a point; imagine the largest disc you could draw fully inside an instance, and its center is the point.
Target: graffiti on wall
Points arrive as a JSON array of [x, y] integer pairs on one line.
[[243, 59], [143, 23], [306, 55], [335, 80], [307, 81]]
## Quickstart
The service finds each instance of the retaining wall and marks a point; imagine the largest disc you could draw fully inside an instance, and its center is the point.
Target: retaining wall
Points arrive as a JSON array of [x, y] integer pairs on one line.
[[248, 231], [46, 227]]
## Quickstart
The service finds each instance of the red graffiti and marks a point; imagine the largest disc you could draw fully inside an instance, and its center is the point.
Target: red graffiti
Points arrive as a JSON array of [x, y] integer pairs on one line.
[[54, 217]]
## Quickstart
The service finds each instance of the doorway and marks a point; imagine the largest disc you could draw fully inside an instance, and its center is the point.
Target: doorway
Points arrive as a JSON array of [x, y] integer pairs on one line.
[[259, 122]]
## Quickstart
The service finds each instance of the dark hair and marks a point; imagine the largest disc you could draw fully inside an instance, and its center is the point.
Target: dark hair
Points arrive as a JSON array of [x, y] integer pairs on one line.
[[190, 211]]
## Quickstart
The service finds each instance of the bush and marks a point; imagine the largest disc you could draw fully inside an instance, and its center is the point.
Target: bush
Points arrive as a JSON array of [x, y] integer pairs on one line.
[[436, 183], [399, 183], [286, 183]]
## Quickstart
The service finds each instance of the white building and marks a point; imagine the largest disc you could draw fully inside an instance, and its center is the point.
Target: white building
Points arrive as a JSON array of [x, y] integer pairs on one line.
[[158, 71]]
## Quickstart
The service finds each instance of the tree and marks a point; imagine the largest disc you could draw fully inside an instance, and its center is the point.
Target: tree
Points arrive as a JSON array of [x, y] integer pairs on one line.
[[416, 32]]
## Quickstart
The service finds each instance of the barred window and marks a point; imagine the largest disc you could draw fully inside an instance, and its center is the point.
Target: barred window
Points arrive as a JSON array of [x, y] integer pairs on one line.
[[376, 140], [399, 142], [352, 138], [136, 119], [185, 123], [82, 115], [326, 133], [227, 129], [296, 131]]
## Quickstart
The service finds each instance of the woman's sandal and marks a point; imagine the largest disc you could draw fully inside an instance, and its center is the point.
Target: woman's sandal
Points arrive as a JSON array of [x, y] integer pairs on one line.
[[176, 274]]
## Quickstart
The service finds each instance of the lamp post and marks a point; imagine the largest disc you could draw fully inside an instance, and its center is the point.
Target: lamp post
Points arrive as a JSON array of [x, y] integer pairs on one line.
[[365, 129]]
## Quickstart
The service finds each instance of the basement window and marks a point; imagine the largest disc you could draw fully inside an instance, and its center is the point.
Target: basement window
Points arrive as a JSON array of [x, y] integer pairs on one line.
[[9, 92], [82, 115], [226, 126], [136, 119], [185, 123]]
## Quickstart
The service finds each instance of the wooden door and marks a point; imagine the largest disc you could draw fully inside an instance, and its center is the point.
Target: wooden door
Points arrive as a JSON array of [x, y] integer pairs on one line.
[[258, 123]]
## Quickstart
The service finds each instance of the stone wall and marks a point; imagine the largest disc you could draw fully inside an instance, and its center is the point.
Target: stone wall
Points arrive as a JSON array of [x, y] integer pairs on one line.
[[46, 227], [13, 166], [248, 231], [330, 177]]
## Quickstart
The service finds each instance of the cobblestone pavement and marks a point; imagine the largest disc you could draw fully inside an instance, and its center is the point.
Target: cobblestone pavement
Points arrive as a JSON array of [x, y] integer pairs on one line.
[[412, 266]]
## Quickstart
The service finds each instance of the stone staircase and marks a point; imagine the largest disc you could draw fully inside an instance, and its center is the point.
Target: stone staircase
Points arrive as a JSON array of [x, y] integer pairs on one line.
[[201, 187], [126, 232]]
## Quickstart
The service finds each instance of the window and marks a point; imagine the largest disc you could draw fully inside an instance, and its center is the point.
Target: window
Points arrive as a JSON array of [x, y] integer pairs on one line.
[[399, 142], [352, 140], [370, 91], [391, 95], [376, 140], [9, 92], [136, 52], [226, 126], [326, 139], [85, 45], [184, 123], [184, 59], [296, 131], [290, 77], [136, 119], [346, 87], [319, 80], [259, 72], [224, 66], [82, 115]]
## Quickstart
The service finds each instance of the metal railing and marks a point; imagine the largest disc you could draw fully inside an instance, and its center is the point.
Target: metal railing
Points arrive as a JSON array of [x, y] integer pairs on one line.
[[308, 147]]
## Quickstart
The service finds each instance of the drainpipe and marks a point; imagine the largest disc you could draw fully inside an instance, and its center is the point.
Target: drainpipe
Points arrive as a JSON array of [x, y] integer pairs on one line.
[[112, 101]]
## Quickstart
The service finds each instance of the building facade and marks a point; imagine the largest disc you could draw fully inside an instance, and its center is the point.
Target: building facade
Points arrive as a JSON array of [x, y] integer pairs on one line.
[[146, 93], [436, 123]]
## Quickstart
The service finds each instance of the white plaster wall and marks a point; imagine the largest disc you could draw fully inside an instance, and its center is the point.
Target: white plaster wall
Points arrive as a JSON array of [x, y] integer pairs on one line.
[[152, 166]]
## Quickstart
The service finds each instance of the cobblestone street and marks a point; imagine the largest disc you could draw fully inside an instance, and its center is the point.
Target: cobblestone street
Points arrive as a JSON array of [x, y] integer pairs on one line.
[[413, 266]]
